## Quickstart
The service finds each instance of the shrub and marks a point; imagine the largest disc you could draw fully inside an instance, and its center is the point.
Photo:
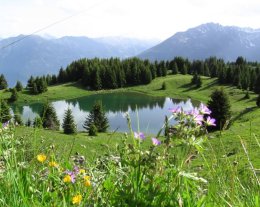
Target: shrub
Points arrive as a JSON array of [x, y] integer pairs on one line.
[[163, 86], [247, 96]]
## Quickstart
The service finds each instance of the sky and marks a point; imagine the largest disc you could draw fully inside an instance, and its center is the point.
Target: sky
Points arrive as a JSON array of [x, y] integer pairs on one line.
[[143, 19]]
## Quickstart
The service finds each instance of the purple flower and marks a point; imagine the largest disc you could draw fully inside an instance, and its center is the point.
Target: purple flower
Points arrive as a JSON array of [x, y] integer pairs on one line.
[[156, 142], [175, 110], [5, 125], [76, 170], [194, 112], [204, 109], [72, 176], [198, 119], [139, 135], [210, 121]]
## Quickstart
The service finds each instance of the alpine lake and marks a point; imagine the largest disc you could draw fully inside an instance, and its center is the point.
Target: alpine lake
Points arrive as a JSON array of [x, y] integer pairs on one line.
[[147, 113]]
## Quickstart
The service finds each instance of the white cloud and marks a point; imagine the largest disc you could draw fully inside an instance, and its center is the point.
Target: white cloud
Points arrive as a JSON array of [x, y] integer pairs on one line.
[[140, 18]]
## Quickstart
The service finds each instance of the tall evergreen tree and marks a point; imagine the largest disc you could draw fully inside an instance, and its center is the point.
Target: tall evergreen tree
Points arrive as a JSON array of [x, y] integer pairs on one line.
[[194, 78], [3, 82], [14, 95], [69, 126], [220, 107], [19, 86], [5, 114], [30, 82], [258, 101], [49, 117], [257, 84], [97, 117]]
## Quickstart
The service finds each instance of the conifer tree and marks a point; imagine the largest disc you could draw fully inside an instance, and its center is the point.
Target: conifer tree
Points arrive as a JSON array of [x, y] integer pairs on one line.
[[199, 82], [5, 114], [175, 69], [97, 117], [49, 117], [194, 78], [220, 107], [3, 82], [19, 86], [14, 95], [30, 82], [257, 85], [258, 101], [69, 126]]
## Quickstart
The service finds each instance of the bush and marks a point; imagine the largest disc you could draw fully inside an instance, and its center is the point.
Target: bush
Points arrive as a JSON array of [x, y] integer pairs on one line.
[[247, 96], [163, 86]]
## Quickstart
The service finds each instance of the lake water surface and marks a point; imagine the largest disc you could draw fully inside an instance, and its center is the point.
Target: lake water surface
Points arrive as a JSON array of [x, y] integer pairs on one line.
[[148, 111]]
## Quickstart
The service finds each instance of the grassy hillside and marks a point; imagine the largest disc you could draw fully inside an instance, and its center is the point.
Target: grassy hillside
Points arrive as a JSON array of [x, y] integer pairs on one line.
[[245, 114]]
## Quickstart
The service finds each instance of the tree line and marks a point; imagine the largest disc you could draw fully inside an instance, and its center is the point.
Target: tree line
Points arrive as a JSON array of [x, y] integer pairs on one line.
[[97, 74]]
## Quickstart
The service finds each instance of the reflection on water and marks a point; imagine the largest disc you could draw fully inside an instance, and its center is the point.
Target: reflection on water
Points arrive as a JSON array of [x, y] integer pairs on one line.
[[149, 111]]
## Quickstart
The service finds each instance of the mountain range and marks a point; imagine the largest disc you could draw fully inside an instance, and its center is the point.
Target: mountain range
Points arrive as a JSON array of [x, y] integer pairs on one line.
[[36, 55], [226, 42]]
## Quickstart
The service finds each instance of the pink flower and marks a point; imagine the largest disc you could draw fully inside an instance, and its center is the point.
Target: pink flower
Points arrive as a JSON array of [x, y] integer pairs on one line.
[[139, 135], [204, 109], [210, 121], [175, 110], [198, 119], [194, 112], [156, 142]]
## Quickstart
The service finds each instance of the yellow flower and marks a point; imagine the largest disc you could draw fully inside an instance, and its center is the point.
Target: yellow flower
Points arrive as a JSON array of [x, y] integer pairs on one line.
[[77, 199], [87, 183], [67, 179], [53, 164], [86, 177], [41, 157], [82, 171]]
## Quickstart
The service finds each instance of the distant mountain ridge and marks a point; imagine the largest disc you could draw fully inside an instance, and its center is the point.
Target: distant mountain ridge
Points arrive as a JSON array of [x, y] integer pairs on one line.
[[227, 42], [36, 55]]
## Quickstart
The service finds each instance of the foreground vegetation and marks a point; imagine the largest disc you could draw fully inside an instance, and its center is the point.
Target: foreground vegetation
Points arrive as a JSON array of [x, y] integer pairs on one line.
[[139, 171], [229, 162]]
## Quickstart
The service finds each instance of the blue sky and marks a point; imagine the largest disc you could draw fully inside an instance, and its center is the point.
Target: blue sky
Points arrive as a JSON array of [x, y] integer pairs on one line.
[[130, 18]]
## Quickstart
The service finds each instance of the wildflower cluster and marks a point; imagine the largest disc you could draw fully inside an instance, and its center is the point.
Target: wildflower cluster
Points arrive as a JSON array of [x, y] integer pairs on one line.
[[73, 184], [191, 125]]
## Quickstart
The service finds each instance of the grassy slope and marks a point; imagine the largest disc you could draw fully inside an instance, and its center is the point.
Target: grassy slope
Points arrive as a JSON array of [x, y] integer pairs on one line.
[[245, 114]]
